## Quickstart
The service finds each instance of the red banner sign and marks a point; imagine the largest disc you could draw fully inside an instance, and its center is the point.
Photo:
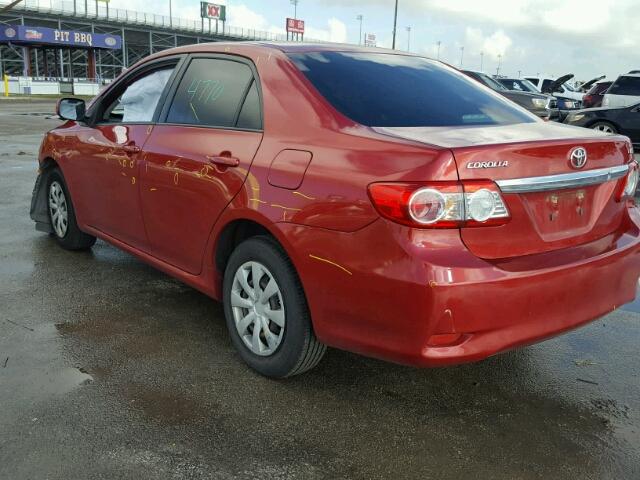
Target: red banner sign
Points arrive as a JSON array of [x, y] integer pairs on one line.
[[295, 26]]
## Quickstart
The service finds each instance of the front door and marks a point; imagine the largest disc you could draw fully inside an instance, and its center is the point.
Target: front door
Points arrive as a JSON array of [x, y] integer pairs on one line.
[[197, 159], [109, 155]]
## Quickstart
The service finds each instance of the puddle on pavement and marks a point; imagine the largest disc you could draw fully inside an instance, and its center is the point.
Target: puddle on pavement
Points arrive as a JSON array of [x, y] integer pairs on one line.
[[31, 364]]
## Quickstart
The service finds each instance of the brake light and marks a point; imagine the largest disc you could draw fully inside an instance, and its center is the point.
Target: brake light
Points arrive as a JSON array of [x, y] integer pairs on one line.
[[631, 181], [471, 203]]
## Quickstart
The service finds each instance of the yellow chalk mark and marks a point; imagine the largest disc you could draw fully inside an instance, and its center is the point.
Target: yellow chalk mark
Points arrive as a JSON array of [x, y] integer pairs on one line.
[[285, 208], [123, 174], [320, 259], [256, 200], [194, 112], [133, 180], [153, 189], [149, 128], [303, 195], [175, 178]]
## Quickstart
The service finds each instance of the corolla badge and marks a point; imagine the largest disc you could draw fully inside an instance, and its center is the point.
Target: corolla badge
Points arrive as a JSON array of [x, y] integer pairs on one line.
[[578, 157], [503, 163]]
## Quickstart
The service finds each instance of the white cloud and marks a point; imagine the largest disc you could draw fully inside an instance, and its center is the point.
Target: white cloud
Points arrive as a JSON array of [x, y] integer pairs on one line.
[[243, 16], [493, 45], [336, 31]]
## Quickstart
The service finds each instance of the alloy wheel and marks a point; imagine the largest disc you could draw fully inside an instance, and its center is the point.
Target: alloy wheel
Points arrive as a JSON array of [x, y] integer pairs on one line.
[[601, 127], [58, 209], [258, 309]]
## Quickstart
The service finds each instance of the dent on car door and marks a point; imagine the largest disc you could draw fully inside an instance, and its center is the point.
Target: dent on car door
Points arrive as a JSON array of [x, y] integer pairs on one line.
[[109, 154], [197, 158]]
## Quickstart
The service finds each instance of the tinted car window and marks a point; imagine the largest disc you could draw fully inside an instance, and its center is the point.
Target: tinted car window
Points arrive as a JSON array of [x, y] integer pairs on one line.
[[546, 84], [386, 90], [511, 84], [210, 93], [250, 113], [599, 88], [625, 86]]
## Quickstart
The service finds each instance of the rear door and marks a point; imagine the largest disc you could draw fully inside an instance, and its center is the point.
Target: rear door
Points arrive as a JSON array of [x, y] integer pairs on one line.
[[629, 120], [198, 156], [553, 204], [624, 92]]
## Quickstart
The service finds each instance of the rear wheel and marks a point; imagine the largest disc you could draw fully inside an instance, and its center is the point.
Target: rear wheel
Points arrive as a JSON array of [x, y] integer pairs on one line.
[[605, 127], [266, 310], [62, 215]]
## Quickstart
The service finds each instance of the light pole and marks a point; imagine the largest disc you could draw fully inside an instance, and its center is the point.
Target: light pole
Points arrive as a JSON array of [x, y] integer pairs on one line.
[[295, 8], [461, 55], [360, 18], [395, 22], [499, 64], [170, 16], [408, 39], [481, 60], [438, 54]]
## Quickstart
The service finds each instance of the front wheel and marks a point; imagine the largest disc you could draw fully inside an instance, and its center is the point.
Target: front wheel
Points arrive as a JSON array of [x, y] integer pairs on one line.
[[605, 127], [266, 310], [62, 215]]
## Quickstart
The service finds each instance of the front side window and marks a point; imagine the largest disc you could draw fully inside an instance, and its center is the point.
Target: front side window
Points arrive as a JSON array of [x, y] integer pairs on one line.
[[626, 86], [139, 100], [387, 90], [211, 93]]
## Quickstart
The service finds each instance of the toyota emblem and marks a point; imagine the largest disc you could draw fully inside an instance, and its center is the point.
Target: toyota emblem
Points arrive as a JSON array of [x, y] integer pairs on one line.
[[578, 157]]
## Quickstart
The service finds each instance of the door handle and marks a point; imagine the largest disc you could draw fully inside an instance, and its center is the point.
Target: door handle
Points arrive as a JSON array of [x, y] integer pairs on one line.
[[131, 148], [223, 161]]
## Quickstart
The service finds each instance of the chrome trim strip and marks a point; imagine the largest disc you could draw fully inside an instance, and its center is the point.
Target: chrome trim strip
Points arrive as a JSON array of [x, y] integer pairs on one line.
[[563, 180]]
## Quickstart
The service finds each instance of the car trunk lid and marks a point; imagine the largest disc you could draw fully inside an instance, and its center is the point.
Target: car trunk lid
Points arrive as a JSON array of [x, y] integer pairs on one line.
[[552, 203]]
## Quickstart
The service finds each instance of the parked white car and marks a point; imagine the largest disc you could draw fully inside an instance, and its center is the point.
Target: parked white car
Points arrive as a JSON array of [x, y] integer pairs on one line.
[[624, 92], [556, 87]]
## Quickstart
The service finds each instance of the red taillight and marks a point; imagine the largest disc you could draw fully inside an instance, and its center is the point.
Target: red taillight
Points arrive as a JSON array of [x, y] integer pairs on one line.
[[630, 183], [471, 203]]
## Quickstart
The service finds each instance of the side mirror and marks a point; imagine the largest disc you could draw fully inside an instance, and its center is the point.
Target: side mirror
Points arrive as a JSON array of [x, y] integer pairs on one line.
[[71, 109]]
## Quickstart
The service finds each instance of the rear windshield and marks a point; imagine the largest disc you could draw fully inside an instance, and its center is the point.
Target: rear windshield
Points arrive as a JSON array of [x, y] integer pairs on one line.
[[599, 88], [386, 90], [626, 86]]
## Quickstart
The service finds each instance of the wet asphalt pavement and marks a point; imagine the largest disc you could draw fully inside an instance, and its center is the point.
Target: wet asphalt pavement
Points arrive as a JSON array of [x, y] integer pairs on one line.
[[110, 369]]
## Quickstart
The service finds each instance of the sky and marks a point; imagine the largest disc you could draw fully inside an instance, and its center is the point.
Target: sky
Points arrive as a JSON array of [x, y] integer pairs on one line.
[[526, 37]]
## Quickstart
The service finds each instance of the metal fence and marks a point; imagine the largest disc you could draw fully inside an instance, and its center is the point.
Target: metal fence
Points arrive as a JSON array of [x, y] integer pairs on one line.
[[93, 9]]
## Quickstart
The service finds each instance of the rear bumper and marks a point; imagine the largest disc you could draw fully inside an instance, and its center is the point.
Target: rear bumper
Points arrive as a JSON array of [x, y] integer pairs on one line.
[[525, 307], [410, 289]]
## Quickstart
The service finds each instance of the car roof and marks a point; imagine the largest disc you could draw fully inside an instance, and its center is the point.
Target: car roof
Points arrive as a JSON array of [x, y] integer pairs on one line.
[[286, 47]]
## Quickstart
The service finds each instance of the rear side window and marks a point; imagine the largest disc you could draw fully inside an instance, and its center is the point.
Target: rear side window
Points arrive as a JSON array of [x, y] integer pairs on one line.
[[210, 93], [250, 117], [626, 86], [386, 90]]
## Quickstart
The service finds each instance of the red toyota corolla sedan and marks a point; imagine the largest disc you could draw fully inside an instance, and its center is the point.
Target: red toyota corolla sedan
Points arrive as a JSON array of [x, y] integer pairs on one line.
[[368, 200]]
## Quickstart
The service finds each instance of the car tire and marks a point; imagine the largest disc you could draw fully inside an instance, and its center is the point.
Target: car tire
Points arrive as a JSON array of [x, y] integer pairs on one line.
[[62, 215], [605, 127], [269, 326]]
